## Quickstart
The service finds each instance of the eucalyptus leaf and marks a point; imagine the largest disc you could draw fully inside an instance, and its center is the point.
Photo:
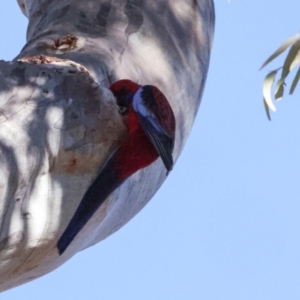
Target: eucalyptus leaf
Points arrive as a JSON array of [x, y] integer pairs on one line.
[[279, 83], [267, 89], [292, 55], [295, 81], [281, 49], [295, 62], [279, 91], [267, 109]]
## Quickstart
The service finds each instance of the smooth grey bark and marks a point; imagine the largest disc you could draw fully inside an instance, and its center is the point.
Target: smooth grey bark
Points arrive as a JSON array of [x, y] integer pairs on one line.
[[59, 122]]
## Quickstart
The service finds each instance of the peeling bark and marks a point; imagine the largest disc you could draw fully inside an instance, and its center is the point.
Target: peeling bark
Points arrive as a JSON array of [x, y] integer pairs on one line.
[[60, 123]]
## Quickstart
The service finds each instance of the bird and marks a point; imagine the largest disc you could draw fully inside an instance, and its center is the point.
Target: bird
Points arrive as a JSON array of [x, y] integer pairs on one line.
[[150, 123]]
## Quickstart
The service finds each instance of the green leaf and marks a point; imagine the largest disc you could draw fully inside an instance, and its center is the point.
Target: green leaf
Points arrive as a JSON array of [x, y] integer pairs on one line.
[[267, 89], [290, 58], [267, 109], [281, 49], [295, 62], [279, 89], [295, 82]]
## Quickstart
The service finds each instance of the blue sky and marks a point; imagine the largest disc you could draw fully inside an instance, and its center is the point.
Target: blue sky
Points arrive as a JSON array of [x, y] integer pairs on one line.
[[226, 223]]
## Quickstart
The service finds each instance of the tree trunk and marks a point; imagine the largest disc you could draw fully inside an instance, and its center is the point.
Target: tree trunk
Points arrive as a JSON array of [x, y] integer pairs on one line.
[[60, 123]]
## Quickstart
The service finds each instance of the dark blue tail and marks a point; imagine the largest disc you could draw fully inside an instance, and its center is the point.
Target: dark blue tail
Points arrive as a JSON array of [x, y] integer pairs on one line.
[[106, 182]]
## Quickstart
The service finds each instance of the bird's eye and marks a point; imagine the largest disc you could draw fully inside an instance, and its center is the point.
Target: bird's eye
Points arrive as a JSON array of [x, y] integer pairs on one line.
[[123, 110]]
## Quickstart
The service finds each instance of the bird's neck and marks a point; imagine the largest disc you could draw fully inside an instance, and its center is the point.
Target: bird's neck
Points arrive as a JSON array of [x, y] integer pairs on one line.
[[133, 122], [137, 152]]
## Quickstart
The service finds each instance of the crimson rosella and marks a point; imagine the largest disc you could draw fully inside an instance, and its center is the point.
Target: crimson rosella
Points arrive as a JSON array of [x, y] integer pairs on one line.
[[151, 133]]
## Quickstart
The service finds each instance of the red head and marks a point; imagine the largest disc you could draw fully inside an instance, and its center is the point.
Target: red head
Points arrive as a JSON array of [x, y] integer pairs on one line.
[[124, 90]]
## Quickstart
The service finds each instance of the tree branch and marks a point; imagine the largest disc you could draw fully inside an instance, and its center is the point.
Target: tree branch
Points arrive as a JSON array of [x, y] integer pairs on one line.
[[60, 123]]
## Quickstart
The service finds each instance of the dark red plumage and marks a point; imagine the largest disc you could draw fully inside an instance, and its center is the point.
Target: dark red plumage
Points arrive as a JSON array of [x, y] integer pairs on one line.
[[137, 152], [143, 138], [158, 104]]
